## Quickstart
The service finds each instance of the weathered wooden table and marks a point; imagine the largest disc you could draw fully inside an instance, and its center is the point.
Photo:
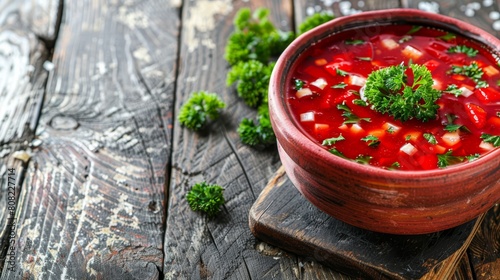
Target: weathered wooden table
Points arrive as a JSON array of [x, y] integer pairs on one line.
[[95, 167]]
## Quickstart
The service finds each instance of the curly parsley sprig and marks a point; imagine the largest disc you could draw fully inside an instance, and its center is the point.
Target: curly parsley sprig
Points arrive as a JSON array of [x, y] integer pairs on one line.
[[388, 91]]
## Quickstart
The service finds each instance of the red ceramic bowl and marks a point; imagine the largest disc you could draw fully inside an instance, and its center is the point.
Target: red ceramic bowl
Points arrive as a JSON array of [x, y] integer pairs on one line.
[[389, 201]]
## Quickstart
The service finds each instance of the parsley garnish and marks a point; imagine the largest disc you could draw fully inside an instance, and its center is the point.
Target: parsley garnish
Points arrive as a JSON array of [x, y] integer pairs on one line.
[[453, 89], [359, 102], [349, 116], [364, 58], [452, 127], [447, 159], [493, 139], [430, 138], [387, 90], [470, 52], [447, 37], [363, 159], [333, 140], [414, 29], [473, 157], [371, 140], [395, 165], [299, 84], [341, 85], [341, 72], [354, 42], [472, 71], [337, 153]]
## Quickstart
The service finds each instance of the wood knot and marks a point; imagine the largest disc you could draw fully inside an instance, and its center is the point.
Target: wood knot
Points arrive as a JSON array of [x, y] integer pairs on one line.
[[63, 123]]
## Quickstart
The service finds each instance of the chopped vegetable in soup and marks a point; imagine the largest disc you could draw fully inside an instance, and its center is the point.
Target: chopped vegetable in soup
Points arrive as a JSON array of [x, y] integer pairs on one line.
[[407, 98]]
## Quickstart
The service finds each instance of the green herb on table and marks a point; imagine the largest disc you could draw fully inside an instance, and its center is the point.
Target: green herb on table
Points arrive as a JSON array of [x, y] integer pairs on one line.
[[255, 37], [314, 20], [259, 133], [252, 81], [206, 198], [199, 109], [388, 92], [470, 52], [448, 159]]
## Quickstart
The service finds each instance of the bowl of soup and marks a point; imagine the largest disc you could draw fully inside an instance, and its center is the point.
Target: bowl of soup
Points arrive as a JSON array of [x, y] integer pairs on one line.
[[390, 120]]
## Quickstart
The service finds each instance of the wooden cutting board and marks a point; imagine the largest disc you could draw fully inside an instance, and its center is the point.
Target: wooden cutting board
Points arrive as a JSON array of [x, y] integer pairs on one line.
[[282, 217]]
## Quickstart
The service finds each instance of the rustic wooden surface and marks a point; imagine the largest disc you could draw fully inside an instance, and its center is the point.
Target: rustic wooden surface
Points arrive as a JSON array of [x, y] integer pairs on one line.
[[88, 98]]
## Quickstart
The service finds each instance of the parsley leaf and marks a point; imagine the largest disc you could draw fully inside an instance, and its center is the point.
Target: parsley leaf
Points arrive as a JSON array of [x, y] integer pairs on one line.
[[387, 90], [341, 72], [371, 140], [472, 157], [341, 85], [453, 89], [299, 84], [354, 42], [363, 159], [337, 153], [492, 139], [333, 140], [349, 116], [430, 138], [472, 71], [447, 159], [414, 29], [447, 37], [470, 52]]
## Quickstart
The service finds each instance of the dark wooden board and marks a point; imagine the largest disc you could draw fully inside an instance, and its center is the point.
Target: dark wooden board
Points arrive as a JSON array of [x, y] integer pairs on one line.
[[283, 217], [223, 247], [92, 205], [23, 80]]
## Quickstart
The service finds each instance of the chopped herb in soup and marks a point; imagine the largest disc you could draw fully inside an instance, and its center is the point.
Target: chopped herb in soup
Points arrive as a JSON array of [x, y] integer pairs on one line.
[[407, 98]]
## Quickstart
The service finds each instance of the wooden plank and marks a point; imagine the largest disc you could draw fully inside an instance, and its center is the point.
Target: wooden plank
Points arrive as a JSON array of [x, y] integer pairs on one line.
[[479, 13], [223, 247], [484, 251], [41, 17], [306, 8], [284, 218], [92, 205], [22, 55]]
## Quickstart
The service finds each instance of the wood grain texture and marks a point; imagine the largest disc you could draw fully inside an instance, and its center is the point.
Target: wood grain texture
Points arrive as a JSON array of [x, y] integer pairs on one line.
[[223, 247], [282, 217], [478, 13], [41, 17], [92, 205], [304, 8], [484, 251]]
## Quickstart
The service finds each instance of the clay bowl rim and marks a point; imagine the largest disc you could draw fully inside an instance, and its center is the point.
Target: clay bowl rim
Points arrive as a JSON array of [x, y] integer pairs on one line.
[[287, 127]]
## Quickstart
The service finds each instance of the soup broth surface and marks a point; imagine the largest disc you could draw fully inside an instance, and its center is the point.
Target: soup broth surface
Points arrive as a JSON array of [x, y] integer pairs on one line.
[[325, 96]]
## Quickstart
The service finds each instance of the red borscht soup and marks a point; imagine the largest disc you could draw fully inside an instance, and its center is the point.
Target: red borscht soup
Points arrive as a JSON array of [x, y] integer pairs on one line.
[[406, 98]]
